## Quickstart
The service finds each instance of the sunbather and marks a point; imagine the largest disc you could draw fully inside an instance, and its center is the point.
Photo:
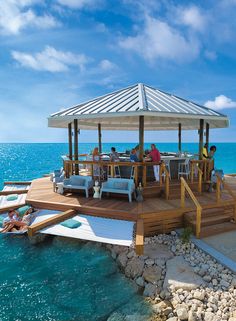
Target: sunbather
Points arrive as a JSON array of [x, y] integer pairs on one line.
[[9, 221], [14, 223]]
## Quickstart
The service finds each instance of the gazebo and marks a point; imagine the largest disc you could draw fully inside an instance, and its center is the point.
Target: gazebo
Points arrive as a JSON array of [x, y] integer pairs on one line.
[[137, 107]]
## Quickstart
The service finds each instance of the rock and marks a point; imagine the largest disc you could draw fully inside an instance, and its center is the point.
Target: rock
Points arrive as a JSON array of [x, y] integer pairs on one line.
[[159, 251], [224, 283], [182, 313], [192, 316], [119, 249], [140, 281], [199, 295], [233, 283], [122, 260], [152, 274], [159, 307], [150, 290], [149, 262], [160, 262], [113, 254], [181, 275], [209, 316], [214, 282], [172, 319], [167, 311], [134, 267], [207, 278], [131, 254]]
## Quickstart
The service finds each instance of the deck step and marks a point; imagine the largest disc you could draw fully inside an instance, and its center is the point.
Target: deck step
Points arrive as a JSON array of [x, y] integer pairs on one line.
[[217, 229], [212, 220]]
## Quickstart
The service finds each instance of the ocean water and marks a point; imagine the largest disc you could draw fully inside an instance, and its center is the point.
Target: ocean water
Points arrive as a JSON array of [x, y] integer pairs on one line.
[[28, 161], [58, 280], [67, 280]]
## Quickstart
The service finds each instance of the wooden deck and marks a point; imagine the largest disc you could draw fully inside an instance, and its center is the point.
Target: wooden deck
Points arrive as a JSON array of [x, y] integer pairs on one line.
[[158, 214]]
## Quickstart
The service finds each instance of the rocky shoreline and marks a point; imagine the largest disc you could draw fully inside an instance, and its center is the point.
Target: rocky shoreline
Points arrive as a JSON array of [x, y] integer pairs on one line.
[[181, 281]]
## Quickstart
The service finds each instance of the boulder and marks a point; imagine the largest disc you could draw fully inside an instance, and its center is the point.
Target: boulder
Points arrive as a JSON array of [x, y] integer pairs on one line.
[[152, 274], [181, 275], [140, 281], [157, 251], [122, 260], [172, 319], [119, 249], [134, 268], [150, 290]]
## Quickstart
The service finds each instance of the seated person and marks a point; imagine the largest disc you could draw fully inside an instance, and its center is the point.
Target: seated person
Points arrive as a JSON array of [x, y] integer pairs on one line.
[[14, 223], [137, 150], [114, 156], [133, 156], [27, 218], [96, 156], [212, 152], [9, 221]]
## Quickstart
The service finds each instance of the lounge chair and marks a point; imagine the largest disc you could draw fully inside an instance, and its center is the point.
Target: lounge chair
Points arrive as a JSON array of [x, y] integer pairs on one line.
[[119, 186], [78, 182]]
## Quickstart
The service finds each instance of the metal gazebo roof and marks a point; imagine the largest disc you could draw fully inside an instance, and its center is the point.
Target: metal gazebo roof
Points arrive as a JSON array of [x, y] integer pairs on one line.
[[120, 110]]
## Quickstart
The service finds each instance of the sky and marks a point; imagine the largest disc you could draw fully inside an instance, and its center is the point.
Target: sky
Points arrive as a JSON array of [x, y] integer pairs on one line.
[[56, 54]]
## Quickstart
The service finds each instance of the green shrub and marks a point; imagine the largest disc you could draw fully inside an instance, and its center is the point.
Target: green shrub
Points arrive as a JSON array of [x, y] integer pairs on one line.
[[186, 234]]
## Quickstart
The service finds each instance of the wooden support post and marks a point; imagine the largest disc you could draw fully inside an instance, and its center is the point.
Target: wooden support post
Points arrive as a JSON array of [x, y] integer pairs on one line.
[[167, 186], [32, 229], [200, 182], [198, 222], [201, 130], [141, 142], [99, 139], [182, 194], [180, 137], [207, 134], [144, 175], [70, 141], [139, 241], [192, 171], [76, 147], [136, 175], [218, 191]]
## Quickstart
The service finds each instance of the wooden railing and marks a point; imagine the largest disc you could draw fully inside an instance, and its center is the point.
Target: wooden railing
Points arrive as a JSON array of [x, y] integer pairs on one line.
[[185, 187], [69, 167], [164, 173], [205, 165]]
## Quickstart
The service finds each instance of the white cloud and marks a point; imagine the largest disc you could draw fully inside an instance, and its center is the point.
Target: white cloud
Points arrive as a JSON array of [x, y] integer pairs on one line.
[[159, 40], [50, 59], [221, 102], [107, 65], [191, 16], [78, 4], [16, 15]]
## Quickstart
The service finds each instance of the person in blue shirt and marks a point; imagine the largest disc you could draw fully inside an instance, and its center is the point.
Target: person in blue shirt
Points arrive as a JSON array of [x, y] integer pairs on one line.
[[133, 156]]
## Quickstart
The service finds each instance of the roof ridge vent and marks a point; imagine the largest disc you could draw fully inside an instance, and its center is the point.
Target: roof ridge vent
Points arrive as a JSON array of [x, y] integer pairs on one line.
[[142, 97]]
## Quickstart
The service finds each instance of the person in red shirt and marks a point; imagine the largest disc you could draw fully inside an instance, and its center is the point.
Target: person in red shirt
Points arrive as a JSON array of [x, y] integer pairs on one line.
[[156, 157]]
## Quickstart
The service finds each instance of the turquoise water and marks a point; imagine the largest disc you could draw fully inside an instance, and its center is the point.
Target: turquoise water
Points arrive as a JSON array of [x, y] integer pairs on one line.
[[28, 161], [67, 281], [57, 280]]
